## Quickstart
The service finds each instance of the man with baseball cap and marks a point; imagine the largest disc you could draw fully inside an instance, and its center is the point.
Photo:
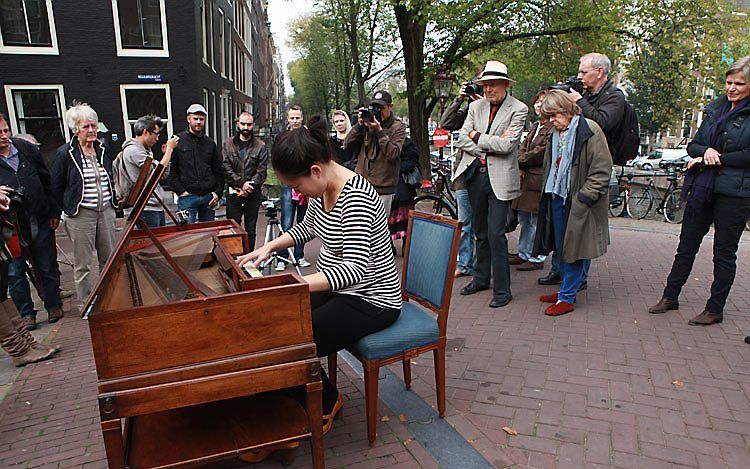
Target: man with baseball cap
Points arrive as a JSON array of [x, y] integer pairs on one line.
[[379, 140], [489, 142], [197, 175]]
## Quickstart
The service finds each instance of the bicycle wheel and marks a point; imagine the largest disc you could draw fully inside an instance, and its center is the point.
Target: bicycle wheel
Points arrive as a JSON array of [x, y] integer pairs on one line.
[[639, 202], [674, 208], [430, 203], [617, 203]]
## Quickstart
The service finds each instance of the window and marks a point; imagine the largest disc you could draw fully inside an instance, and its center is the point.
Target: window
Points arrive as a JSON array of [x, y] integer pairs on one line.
[[207, 105], [222, 45], [213, 115], [139, 100], [140, 28], [207, 20], [227, 53], [226, 119], [38, 110], [27, 27]]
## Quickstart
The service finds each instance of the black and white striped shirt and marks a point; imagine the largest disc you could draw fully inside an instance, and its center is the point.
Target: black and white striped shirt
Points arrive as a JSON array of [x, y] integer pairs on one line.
[[96, 193], [356, 256]]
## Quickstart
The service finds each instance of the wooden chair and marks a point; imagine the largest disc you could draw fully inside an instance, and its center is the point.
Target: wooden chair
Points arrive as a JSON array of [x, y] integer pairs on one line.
[[426, 284]]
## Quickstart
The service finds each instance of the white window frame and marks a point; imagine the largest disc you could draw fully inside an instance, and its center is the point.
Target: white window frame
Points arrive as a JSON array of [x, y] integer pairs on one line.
[[124, 52], [35, 50], [13, 112], [222, 46], [204, 33], [145, 86]]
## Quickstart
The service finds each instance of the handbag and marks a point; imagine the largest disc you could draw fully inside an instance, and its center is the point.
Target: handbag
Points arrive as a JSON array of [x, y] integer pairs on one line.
[[412, 177]]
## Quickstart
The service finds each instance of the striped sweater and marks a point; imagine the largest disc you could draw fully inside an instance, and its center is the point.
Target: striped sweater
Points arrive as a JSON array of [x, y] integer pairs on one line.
[[356, 256], [96, 193]]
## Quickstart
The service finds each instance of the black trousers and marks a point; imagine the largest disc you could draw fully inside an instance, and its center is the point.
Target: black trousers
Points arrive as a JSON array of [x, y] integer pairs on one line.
[[489, 218], [728, 214], [339, 321], [237, 207]]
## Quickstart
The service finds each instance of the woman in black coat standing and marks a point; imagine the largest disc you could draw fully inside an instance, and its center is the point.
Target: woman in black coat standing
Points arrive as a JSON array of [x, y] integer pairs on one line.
[[716, 191]]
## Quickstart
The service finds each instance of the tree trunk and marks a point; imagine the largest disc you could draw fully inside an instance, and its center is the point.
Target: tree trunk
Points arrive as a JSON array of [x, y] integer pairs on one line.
[[354, 42], [412, 32]]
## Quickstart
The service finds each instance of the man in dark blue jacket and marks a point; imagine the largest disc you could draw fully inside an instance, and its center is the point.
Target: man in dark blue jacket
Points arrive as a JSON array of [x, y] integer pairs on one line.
[[36, 217]]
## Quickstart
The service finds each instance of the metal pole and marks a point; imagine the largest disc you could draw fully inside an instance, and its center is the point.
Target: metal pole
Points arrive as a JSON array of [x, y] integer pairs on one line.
[[442, 109]]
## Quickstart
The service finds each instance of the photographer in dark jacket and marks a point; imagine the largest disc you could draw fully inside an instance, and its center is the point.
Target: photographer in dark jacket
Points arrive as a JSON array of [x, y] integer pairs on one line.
[[36, 216], [716, 191], [197, 175], [245, 161]]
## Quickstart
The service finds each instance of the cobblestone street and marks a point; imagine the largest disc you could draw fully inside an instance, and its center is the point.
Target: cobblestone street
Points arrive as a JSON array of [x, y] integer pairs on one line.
[[606, 386]]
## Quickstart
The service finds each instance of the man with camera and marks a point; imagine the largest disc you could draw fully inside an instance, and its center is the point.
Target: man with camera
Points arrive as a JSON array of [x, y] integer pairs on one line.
[[196, 174], [603, 103], [453, 119], [379, 135], [489, 142], [35, 215], [245, 160]]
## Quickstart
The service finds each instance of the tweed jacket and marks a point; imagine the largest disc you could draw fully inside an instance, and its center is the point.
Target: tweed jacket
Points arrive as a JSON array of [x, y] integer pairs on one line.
[[501, 152]]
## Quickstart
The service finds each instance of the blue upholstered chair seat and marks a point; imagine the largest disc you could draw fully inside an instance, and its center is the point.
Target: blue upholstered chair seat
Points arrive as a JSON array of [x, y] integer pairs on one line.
[[413, 328]]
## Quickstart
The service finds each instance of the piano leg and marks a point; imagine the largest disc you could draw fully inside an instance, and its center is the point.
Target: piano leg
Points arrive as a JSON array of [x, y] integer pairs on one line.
[[113, 444], [314, 406]]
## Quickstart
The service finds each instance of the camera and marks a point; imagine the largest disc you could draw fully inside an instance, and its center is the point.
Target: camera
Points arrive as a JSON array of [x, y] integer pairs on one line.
[[271, 204], [369, 114], [183, 216], [472, 89], [17, 196], [572, 83]]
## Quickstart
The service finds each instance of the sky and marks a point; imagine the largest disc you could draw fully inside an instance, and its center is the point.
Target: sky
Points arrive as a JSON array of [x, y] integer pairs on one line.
[[280, 14]]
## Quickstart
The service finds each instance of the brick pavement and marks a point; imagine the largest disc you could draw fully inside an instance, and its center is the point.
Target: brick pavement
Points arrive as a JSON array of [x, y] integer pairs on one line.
[[605, 386]]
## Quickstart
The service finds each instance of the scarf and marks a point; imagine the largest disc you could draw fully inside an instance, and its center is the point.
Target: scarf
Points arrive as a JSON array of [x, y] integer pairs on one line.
[[558, 179], [342, 135], [698, 186]]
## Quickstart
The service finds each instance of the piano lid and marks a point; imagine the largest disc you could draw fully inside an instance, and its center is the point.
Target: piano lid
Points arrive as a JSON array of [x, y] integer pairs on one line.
[[152, 266]]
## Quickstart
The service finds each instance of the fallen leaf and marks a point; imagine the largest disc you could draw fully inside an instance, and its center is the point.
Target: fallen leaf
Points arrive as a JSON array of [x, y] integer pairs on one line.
[[384, 418], [678, 383], [407, 441], [28, 403], [510, 431], [402, 417], [413, 362], [471, 442]]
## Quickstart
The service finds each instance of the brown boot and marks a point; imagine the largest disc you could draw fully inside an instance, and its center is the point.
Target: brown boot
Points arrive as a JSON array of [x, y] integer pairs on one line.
[[706, 318], [55, 314], [34, 355], [664, 305], [8, 309]]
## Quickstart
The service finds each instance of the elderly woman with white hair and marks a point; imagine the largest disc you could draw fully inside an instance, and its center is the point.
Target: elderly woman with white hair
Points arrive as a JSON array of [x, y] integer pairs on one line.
[[82, 185]]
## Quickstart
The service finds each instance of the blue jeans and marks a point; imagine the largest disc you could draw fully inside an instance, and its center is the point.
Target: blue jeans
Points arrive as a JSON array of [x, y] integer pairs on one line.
[[198, 207], [153, 218], [527, 220], [44, 255], [571, 272], [288, 210], [556, 266], [466, 245]]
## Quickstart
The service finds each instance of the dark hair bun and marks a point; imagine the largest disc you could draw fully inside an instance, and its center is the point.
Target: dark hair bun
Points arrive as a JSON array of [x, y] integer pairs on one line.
[[295, 151]]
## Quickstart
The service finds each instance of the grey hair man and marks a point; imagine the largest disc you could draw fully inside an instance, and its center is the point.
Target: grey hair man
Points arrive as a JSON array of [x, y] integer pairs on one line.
[[135, 153]]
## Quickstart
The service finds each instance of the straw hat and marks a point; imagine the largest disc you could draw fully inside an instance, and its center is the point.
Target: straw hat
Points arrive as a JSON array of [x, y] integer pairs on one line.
[[495, 70]]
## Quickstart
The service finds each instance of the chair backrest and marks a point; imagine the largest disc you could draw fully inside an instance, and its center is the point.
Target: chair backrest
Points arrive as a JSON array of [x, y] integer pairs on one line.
[[429, 262]]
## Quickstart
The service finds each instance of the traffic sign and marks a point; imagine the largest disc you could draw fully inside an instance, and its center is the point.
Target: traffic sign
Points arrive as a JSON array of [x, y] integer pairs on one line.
[[440, 137]]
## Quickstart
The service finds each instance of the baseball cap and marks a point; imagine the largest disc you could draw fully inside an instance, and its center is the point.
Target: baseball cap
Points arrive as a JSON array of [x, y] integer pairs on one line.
[[197, 109], [381, 98]]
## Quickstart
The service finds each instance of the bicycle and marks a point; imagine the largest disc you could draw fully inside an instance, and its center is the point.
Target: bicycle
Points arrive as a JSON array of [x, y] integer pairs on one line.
[[671, 207], [439, 198], [618, 201]]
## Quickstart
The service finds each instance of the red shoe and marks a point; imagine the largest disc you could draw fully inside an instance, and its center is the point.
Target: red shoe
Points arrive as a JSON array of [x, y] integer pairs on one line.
[[549, 298], [559, 308]]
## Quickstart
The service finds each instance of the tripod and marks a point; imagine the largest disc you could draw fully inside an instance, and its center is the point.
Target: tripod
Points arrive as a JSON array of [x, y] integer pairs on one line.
[[273, 231]]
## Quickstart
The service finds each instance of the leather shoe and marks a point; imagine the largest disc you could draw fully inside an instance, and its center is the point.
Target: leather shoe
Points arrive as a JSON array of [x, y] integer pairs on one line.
[[516, 261], [747, 339], [471, 288], [584, 285], [499, 302], [559, 308], [551, 278], [706, 318], [664, 305], [529, 266], [55, 314]]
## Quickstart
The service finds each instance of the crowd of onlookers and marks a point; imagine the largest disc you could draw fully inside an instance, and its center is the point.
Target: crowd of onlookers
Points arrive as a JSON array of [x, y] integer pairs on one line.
[[554, 184]]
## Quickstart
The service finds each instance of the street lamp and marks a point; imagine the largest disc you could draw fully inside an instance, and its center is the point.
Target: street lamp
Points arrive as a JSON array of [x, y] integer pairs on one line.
[[443, 82]]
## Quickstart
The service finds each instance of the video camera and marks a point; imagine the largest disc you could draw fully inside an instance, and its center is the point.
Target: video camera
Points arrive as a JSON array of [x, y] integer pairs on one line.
[[271, 204], [369, 114], [572, 83], [17, 196]]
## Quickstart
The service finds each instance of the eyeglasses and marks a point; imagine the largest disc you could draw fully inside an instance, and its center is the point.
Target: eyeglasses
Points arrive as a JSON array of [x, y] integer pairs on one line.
[[154, 132]]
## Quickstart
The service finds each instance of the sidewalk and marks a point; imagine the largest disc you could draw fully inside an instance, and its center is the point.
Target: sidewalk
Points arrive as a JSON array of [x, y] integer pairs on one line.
[[605, 386]]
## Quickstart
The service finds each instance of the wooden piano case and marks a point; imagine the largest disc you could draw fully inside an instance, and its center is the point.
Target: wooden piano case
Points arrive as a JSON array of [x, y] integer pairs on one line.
[[187, 347]]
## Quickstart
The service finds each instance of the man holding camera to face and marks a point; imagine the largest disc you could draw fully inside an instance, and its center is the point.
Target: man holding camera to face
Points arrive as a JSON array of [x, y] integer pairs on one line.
[[489, 142], [379, 135], [245, 159]]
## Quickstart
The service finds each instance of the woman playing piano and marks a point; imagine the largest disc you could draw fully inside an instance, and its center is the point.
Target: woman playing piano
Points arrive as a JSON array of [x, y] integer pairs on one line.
[[355, 291]]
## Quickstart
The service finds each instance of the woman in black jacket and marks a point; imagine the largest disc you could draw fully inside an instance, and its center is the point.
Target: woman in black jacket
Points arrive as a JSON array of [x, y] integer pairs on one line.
[[716, 190]]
